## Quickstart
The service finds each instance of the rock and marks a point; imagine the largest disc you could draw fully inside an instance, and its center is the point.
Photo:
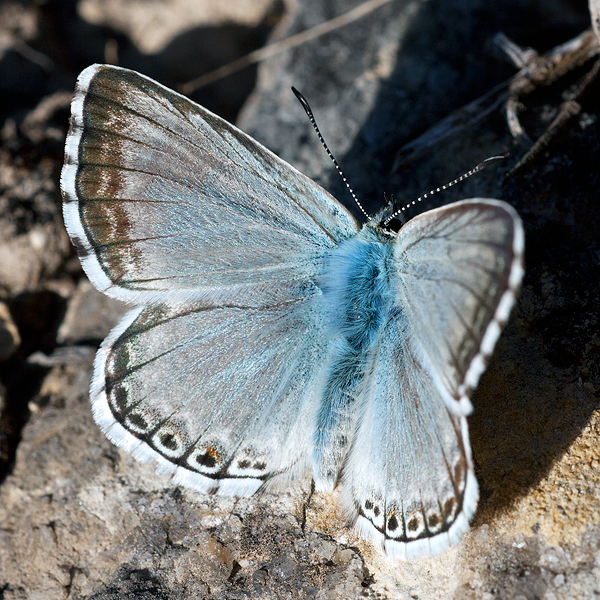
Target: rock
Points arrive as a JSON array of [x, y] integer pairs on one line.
[[9, 334], [90, 315]]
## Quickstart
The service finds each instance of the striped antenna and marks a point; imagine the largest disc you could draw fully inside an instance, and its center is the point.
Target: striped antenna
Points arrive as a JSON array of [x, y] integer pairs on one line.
[[310, 115], [482, 165]]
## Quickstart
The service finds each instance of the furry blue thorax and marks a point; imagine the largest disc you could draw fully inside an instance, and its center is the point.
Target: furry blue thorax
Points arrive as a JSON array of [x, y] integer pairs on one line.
[[356, 289], [356, 306]]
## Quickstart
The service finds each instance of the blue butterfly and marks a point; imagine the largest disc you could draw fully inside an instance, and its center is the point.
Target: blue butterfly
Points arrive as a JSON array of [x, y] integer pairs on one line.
[[272, 334]]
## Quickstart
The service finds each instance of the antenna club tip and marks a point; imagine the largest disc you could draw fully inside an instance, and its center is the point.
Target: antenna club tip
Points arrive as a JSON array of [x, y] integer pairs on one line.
[[492, 159], [302, 100]]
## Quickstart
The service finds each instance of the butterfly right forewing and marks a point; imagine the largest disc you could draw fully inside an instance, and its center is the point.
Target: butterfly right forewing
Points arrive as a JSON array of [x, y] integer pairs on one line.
[[457, 272]]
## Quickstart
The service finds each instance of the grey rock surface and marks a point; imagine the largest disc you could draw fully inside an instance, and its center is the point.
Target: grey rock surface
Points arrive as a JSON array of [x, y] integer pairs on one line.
[[81, 519], [9, 333]]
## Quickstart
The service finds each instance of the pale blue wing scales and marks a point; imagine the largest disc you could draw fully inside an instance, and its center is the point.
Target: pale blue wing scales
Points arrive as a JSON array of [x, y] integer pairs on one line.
[[408, 480], [455, 274], [165, 201], [222, 399]]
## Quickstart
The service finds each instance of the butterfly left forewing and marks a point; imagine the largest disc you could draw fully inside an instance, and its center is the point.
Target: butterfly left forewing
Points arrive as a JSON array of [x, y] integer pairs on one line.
[[167, 202]]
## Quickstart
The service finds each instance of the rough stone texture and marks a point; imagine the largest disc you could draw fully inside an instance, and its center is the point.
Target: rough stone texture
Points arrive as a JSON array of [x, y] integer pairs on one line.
[[80, 519], [9, 333], [151, 25]]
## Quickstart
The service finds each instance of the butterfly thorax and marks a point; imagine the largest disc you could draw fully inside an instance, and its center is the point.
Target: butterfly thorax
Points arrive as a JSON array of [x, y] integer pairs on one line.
[[355, 286]]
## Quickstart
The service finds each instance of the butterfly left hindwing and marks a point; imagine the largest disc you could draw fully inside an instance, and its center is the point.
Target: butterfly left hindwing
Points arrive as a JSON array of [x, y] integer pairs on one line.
[[221, 398]]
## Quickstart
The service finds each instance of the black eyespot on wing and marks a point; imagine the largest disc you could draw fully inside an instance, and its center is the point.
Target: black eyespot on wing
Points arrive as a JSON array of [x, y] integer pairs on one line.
[[448, 508], [138, 421], [413, 524], [168, 441], [207, 459], [433, 521], [392, 523], [119, 396]]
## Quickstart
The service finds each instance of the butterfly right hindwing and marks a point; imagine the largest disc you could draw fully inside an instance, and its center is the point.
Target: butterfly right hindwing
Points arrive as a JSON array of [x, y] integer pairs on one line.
[[408, 478]]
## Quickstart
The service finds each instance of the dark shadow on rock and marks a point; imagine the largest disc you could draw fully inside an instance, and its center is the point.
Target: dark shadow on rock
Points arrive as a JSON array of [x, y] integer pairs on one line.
[[66, 44], [37, 316], [131, 583], [73, 44]]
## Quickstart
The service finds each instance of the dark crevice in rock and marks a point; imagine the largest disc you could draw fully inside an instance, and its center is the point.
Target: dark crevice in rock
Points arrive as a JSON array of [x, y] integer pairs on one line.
[[37, 316]]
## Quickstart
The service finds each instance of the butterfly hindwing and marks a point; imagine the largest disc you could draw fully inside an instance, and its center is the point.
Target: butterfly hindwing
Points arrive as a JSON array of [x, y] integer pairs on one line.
[[408, 479], [220, 398]]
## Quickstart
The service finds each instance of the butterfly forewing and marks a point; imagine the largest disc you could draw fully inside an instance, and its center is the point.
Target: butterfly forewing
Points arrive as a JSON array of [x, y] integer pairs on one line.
[[457, 270], [167, 202]]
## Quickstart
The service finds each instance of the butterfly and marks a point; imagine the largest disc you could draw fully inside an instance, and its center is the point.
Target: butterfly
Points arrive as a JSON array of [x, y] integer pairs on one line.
[[272, 334]]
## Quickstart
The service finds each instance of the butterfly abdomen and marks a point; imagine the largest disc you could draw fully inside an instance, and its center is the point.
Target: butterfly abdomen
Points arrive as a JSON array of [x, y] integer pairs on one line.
[[356, 306]]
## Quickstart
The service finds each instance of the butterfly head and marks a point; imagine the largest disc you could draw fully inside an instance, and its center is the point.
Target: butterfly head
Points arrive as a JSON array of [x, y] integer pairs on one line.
[[383, 217]]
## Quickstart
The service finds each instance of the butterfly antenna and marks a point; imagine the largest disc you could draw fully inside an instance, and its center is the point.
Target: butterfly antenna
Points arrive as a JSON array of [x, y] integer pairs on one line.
[[482, 165], [310, 115]]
